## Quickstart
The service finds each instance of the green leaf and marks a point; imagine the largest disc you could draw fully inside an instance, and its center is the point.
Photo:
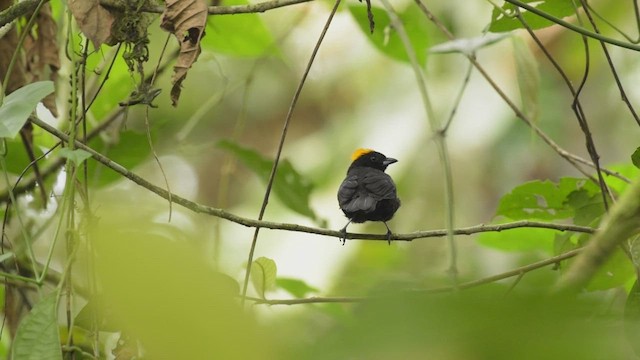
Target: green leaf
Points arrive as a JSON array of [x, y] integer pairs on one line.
[[528, 77], [17, 156], [295, 287], [289, 186], [37, 337], [525, 239], [131, 149], [556, 8], [542, 200], [627, 170], [244, 35], [632, 318], [120, 83], [467, 46], [263, 275], [588, 207], [386, 39], [5, 256], [77, 156], [616, 271], [635, 158], [18, 105]]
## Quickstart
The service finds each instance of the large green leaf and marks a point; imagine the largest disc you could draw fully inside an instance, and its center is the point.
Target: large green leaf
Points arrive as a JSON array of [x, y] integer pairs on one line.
[[296, 287], [627, 170], [524, 239], [240, 35], [386, 39], [119, 84], [632, 318], [615, 272], [289, 186], [18, 105], [77, 156], [38, 337], [263, 275], [17, 156], [588, 207], [543, 200], [556, 8]]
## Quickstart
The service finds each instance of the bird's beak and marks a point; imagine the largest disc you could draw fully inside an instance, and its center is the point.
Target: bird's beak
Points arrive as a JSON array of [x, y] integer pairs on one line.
[[389, 161]]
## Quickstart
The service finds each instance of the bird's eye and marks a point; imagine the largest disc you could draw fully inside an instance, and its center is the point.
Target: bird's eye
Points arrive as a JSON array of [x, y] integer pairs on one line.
[[373, 158]]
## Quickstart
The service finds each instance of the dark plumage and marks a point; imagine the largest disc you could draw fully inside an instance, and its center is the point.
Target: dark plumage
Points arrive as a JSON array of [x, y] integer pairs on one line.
[[368, 193]]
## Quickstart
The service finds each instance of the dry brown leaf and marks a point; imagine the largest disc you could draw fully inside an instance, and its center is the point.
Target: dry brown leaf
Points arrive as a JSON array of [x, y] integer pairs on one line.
[[186, 20], [41, 48], [94, 20], [8, 45]]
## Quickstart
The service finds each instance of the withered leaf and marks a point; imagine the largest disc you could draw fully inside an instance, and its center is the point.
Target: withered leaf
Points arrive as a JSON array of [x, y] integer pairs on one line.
[[94, 20], [8, 44], [41, 48], [186, 20]]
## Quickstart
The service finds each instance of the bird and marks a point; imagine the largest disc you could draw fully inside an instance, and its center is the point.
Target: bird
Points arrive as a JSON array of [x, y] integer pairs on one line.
[[368, 193]]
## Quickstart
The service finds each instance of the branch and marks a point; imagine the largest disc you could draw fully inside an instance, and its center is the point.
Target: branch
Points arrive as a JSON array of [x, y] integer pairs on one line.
[[18, 10], [27, 6], [575, 28], [203, 209], [466, 285], [216, 10]]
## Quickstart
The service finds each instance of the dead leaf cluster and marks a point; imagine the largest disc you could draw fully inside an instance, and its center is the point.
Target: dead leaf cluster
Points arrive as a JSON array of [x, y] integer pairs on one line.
[[186, 19]]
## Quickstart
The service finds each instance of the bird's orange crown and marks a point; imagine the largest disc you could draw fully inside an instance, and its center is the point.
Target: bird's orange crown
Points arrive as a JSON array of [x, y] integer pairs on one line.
[[356, 154]]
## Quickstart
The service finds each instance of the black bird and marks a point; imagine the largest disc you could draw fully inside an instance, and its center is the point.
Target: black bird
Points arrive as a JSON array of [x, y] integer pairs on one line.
[[368, 193]]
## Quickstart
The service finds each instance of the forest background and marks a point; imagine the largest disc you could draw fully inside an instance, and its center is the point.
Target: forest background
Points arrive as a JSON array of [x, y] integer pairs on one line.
[[150, 152]]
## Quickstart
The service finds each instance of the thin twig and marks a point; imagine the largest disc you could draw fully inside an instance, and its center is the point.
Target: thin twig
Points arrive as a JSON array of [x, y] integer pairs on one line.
[[148, 125], [283, 136], [458, 99], [623, 94], [573, 27], [466, 285]]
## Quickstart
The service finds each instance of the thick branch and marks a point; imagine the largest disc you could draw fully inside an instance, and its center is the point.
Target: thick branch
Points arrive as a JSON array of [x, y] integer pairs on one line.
[[622, 222], [20, 9], [217, 10], [198, 208]]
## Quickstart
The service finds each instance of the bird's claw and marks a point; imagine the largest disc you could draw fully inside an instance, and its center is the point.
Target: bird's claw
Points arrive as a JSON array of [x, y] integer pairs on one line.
[[343, 236], [389, 237]]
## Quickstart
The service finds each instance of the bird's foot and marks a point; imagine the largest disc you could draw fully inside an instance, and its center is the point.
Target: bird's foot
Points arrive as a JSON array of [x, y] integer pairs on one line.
[[389, 234], [343, 235]]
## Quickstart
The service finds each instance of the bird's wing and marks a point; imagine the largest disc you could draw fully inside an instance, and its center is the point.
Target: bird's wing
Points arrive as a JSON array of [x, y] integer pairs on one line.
[[348, 190], [379, 185], [362, 191]]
